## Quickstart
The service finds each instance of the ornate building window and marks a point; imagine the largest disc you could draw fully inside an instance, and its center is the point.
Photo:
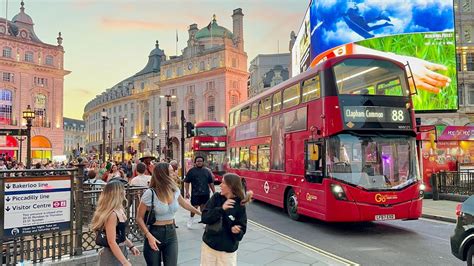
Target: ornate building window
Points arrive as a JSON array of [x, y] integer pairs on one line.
[[40, 111], [7, 77], [470, 62], [7, 52], [211, 108], [147, 121], [6, 102], [29, 56], [49, 60], [191, 107]]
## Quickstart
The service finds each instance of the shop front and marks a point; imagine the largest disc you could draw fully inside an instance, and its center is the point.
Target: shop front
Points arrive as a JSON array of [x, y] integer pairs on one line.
[[446, 148], [41, 149]]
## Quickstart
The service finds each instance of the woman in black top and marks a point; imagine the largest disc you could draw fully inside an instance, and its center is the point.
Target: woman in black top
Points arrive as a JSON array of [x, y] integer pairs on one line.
[[110, 217], [226, 222]]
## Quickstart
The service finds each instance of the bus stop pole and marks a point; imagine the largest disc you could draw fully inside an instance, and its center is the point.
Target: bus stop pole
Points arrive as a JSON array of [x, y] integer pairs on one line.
[[183, 168]]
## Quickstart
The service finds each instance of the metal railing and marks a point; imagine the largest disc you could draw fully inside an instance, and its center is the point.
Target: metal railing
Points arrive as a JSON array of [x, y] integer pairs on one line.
[[459, 184], [76, 239]]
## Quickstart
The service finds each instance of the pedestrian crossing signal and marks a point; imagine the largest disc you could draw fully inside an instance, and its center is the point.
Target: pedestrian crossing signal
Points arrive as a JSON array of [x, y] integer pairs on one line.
[[189, 130]]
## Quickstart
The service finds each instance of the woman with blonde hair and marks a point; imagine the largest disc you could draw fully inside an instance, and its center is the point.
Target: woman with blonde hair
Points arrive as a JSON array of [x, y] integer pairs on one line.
[[226, 222], [110, 218], [161, 242]]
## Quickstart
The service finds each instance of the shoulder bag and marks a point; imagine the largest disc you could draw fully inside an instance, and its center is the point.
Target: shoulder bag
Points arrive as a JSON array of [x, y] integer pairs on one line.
[[101, 238], [150, 217]]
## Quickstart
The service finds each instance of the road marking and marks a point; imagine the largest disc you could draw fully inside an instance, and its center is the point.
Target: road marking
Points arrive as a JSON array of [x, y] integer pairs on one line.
[[437, 221], [305, 245]]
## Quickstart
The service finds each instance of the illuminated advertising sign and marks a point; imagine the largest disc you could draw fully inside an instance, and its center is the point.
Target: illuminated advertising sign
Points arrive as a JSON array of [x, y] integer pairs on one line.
[[383, 117], [417, 32], [300, 51]]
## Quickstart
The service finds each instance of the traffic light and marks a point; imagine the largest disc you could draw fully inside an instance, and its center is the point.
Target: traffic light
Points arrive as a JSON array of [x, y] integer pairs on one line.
[[189, 130], [158, 148]]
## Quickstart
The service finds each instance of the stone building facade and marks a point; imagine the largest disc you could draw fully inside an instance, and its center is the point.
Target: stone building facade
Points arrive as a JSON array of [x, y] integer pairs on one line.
[[208, 78], [32, 73], [135, 99], [268, 70], [74, 137]]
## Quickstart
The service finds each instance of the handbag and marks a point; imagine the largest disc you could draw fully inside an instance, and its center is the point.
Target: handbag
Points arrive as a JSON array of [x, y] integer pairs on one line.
[[101, 238], [150, 217]]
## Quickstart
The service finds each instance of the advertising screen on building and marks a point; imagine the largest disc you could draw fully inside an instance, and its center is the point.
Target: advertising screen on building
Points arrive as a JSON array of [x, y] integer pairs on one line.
[[417, 32]]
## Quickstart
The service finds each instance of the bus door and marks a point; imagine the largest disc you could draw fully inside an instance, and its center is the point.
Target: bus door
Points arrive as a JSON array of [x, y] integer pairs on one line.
[[312, 196]]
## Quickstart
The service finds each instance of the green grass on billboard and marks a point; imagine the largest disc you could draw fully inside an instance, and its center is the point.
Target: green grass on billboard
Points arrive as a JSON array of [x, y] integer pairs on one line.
[[435, 47]]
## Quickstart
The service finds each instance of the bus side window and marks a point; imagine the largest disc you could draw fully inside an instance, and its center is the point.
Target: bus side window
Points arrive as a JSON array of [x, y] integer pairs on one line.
[[244, 158], [313, 162]]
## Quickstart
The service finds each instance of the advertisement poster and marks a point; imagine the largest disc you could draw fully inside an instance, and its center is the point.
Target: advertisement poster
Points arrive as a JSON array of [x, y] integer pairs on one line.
[[420, 33]]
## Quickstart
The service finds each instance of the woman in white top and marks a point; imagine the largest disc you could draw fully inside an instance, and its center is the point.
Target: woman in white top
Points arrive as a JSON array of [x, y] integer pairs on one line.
[[161, 239]]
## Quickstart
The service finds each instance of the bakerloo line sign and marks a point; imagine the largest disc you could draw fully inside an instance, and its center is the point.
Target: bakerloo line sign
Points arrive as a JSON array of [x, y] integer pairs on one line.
[[36, 205]]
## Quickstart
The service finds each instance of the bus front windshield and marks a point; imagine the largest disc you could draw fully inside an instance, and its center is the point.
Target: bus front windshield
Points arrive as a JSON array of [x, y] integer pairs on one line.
[[372, 162], [211, 131], [370, 77], [214, 160]]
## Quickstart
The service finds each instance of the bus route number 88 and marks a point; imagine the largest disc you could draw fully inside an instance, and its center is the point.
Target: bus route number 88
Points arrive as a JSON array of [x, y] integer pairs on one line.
[[397, 116]]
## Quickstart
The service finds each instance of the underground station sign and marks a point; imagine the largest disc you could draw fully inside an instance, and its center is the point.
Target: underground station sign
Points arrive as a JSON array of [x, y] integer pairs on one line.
[[36, 205]]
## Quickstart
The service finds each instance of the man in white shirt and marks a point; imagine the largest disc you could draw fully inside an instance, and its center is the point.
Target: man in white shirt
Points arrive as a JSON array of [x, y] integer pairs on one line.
[[141, 180]]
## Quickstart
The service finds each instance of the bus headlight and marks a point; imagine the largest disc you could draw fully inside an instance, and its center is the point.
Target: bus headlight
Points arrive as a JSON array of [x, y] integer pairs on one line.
[[422, 188], [338, 192]]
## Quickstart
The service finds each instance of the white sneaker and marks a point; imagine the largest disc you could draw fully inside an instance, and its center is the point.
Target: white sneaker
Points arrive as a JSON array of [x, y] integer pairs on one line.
[[189, 224]]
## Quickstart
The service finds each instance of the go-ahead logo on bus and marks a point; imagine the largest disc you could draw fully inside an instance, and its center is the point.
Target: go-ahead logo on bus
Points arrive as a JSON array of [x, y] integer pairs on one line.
[[379, 198]]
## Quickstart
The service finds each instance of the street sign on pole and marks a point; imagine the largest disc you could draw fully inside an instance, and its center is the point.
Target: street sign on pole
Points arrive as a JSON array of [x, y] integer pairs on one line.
[[12, 132]]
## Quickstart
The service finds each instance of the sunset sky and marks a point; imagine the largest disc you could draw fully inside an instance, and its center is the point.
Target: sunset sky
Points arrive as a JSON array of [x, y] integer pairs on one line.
[[107, 41]]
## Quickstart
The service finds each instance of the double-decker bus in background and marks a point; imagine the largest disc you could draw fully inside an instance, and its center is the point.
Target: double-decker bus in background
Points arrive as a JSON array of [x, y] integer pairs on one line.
[[336, 143], [210, 142]]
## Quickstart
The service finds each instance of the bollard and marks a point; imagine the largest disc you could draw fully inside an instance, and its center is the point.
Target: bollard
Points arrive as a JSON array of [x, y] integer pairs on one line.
[[434, 181]]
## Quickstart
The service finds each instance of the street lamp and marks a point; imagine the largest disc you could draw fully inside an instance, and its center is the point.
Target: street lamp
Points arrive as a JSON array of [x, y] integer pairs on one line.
[[122, 128], [152, 137], [104, 119], [110, 144], [28, 115], [168, 105]]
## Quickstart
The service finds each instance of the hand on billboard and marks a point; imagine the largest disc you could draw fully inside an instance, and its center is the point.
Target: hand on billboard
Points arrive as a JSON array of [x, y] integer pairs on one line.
[[425, 75]]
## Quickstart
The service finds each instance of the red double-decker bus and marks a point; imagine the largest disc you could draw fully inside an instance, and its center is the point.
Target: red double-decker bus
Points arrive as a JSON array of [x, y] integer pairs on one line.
[[210, 142], [336, 143]]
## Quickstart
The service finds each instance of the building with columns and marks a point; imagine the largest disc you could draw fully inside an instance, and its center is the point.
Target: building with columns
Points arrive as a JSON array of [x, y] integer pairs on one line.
[[32, 74], [208, 78], [134, 100]]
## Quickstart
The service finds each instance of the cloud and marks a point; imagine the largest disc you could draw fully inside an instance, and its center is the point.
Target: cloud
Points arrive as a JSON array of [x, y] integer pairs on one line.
[[81, 92], [129, 24]]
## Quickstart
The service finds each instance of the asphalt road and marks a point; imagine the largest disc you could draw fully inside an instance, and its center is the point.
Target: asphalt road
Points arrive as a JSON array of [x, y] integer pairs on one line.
[[420, 242]]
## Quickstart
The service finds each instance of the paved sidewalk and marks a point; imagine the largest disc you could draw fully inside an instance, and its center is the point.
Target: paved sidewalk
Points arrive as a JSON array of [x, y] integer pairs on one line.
[[442, 210], [260, 246]]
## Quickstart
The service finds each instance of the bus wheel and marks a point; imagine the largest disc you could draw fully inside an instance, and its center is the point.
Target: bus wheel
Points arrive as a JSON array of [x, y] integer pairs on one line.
[[292, 205]]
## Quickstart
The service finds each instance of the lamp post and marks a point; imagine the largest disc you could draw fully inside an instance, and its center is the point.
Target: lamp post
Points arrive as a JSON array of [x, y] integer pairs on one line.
[[122, 128], [152, 137], [28, 115], [104, 119], [110, 144], [168, 105], [20, 139]]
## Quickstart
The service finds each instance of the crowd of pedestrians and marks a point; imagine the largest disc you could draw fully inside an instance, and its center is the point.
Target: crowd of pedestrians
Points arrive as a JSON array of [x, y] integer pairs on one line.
[[223, 215]]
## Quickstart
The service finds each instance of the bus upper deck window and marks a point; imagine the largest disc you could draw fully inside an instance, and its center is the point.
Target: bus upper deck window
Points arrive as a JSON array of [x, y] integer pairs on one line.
[[276, 102]]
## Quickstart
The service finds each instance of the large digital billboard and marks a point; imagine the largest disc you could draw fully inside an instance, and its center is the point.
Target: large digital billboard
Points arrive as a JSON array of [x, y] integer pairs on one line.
[[417, 32]]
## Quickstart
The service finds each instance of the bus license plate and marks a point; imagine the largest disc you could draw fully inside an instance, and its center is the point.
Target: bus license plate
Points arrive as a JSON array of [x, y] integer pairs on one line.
[[384, 217]]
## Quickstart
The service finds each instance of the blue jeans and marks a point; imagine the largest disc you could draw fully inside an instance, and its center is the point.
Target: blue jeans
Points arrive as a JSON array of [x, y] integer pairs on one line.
[[168, 248]]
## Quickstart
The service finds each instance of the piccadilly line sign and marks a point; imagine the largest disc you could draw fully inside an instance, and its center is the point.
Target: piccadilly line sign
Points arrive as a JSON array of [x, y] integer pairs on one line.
[[34, 205]]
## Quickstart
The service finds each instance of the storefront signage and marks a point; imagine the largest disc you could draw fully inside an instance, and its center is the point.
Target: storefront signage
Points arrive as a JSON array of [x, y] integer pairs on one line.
[[379, 114], [36, 206], [13, 132], [457, 133]]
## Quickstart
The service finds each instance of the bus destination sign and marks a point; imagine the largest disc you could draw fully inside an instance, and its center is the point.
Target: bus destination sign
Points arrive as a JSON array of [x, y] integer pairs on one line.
[[384, 116]]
